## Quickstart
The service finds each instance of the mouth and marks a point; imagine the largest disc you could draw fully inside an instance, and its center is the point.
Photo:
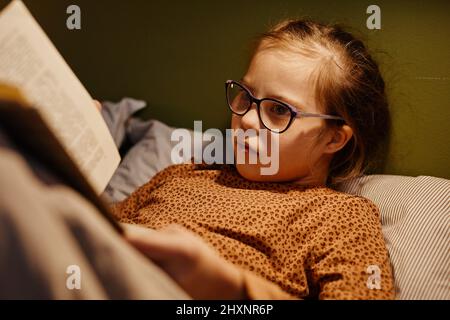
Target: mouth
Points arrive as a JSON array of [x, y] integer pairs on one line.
[[246, 147]]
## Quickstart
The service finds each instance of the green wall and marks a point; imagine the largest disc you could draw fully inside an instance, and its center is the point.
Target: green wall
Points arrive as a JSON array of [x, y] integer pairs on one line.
[[177, 54]]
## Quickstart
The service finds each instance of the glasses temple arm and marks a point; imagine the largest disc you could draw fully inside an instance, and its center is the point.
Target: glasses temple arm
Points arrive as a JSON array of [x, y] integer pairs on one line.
[[315, 115]]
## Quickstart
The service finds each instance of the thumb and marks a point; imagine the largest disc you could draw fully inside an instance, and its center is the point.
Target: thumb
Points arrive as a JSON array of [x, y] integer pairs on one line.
[[156, 245], [98, 105]]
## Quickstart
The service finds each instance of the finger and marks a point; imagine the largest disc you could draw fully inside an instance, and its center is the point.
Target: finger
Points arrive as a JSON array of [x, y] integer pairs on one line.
[[156, 245], [98, 105], [174, 228], [134, 230]]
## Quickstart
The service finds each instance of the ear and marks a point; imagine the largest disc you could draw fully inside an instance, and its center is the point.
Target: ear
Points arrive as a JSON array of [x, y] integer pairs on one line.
[[338, 138]]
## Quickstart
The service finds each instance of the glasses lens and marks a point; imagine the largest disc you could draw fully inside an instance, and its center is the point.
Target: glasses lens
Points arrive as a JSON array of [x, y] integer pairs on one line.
[[274, 115], [238, 99]]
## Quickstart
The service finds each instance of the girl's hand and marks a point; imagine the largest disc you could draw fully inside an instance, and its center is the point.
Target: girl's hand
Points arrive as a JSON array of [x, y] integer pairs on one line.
[[98, 105], [195, 266]]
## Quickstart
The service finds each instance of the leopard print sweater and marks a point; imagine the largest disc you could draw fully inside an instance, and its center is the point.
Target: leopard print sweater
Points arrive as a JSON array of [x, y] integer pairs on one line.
[[307, 241]]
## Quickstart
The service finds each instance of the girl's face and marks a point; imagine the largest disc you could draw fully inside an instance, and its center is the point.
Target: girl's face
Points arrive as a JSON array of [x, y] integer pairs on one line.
[[304, 155]]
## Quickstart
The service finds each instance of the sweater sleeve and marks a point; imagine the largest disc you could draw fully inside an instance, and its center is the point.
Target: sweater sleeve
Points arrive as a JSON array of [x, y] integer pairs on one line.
[[349, 256]]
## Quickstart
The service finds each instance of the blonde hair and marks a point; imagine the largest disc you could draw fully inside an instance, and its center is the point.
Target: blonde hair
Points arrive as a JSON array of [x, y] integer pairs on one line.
[[348, 84]]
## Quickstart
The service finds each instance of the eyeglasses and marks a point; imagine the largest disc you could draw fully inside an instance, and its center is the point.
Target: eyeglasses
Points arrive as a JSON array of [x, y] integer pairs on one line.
[[275, 115]]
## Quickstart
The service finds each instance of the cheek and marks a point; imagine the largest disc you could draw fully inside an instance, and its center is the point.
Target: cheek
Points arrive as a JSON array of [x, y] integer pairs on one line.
[[291, 149], [297, 144], [235, 121]]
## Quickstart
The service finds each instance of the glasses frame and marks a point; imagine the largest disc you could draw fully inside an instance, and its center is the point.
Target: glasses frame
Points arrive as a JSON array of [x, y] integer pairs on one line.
[[295, 113]]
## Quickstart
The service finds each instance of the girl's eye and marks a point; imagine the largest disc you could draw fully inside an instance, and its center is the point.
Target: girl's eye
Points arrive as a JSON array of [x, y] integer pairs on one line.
[[279, 110]]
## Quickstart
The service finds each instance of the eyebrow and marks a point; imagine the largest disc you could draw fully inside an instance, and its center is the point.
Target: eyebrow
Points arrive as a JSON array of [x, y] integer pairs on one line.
[[296, 105]]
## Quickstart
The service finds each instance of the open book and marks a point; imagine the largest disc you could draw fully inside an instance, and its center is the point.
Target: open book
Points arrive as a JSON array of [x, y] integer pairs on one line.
[[30, 62], [27, 132]]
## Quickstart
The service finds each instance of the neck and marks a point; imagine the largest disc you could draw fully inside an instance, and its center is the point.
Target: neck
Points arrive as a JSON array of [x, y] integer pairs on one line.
[[317, 176]]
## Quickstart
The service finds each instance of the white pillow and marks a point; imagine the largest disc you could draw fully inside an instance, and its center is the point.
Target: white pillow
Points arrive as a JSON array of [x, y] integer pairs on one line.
[[415, 214]]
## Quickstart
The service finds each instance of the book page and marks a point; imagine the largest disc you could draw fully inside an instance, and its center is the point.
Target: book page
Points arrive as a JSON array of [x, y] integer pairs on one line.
[[29, 61], [53, 167]]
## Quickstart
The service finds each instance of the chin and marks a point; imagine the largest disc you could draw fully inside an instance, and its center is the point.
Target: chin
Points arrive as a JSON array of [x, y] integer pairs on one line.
[[252, 172]]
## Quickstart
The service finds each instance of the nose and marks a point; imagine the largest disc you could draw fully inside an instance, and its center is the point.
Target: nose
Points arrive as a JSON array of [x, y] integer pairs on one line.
[[250, 120]]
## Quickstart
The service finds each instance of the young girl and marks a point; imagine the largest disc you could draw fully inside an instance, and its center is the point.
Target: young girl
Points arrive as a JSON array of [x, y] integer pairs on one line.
[[230, 232]]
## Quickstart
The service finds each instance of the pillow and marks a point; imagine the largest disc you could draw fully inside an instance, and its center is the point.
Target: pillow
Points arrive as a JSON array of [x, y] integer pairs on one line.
[[117, 114], [150, 154], [147, 154], [148, 147], [415, 222]]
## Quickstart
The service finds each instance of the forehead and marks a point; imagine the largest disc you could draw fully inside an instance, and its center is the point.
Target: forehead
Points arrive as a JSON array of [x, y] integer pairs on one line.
[[276, 72]]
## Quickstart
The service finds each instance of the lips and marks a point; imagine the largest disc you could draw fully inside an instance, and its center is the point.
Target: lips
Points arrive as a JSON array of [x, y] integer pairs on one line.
[[246, 147], [241, 146]]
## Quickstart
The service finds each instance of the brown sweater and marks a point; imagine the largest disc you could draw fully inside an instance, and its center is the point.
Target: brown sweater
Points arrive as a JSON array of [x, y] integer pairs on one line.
[[290, 241]]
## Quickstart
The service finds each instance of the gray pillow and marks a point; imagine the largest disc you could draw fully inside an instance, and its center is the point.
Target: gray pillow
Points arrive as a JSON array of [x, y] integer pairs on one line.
[[151, 147], [117, 114], [149, 155]]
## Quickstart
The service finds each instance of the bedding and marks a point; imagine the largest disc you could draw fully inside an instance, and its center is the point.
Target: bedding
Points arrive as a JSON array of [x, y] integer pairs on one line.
[[149, 147], [415, 214]]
